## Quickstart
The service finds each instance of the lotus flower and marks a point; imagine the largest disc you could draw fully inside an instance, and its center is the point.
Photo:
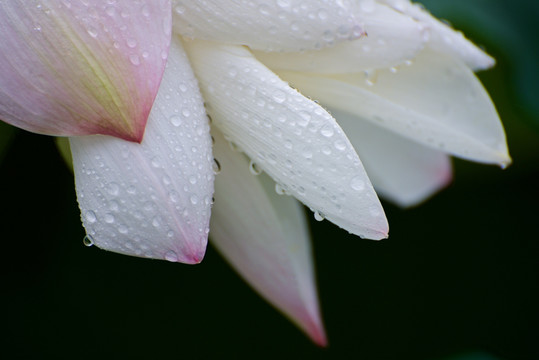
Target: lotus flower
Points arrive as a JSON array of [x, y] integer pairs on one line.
[[133, 84]]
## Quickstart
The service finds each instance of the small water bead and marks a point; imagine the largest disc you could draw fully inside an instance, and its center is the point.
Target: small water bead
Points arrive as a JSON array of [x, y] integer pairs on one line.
[[254, 168], [113, 189], [327, 131], [234, 147], [135, 59], [194, 199], [171, 256], [88, 241], [357, 184], [216, 166], [279, 189], [109, 218], [279, 96], [91, 217], [318, 216], [122, 229]]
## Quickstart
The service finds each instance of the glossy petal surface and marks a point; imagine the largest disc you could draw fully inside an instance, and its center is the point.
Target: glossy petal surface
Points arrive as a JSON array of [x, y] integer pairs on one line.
[[437, 102], [287, 135], [284, 25], [152, 199], [443, 38], [82, 67], [264, 236], [402, 171], [391, 39]]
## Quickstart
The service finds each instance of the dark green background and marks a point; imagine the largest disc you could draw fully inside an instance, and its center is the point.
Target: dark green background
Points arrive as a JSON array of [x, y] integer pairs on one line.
[[459, 273]]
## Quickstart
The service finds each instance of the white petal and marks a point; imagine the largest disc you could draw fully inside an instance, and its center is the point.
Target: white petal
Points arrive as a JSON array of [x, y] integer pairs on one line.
[[437, 101], [402, 171], [264, 236], [284, 25], [152, 199], [290, 137], [443, 38], [391, 39]]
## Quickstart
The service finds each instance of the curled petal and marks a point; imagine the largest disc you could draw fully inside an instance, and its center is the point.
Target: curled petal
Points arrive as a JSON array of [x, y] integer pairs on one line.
[[285, 25], [391, 39], [443, 38], [264, 236], [436, 101], [152, 199], [287, 135], [82, 67], [402, 171]]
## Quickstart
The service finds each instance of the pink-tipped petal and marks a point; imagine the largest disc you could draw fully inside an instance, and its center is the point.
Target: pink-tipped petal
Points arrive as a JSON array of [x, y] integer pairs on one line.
[[152, 199], [402, 171], [82, 67], [264, 236]]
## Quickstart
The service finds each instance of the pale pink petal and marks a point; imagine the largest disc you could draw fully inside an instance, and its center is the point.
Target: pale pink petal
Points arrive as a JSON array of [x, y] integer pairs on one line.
[[287, 135], [152, 199], [284, 25], [265, 238], [82, 67], [402, 171]]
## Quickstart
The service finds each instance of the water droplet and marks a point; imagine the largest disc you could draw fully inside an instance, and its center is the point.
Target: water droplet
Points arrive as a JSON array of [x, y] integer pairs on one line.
[[109, 218], [279, 189], [327, 131], [113, 189], [254, 169], [194, 199], [216, 166], [171, 256], [279, 96], [318, 216], [122, 229], [88, 241], [357, 183], [92, 31], [90, 217], [176, 120]]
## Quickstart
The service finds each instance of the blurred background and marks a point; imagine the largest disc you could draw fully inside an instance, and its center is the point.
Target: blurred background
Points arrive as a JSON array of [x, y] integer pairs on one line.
[[458, 278]]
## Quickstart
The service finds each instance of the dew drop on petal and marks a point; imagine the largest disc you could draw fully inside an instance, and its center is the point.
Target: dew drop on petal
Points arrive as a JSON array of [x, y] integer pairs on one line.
[[279, 189], [90, 217], [254, 169], [357, 184], [318, 216], [88, 241], [171, 256], [216, 166]]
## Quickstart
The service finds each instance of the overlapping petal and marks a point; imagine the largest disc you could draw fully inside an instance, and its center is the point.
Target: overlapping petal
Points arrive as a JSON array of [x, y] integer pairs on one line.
[[152, 199], [437, 101], [402, 171], [443, 38], [289, 136], [283, 25], [391, 39], [264, 236], [82, 67]]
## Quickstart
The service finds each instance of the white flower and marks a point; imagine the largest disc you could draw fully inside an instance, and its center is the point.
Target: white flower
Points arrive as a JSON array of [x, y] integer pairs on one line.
[[399, 82]]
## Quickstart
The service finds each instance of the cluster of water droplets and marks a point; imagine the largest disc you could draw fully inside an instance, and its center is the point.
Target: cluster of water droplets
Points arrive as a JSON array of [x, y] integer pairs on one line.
[[291, 137], [272, 26]]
